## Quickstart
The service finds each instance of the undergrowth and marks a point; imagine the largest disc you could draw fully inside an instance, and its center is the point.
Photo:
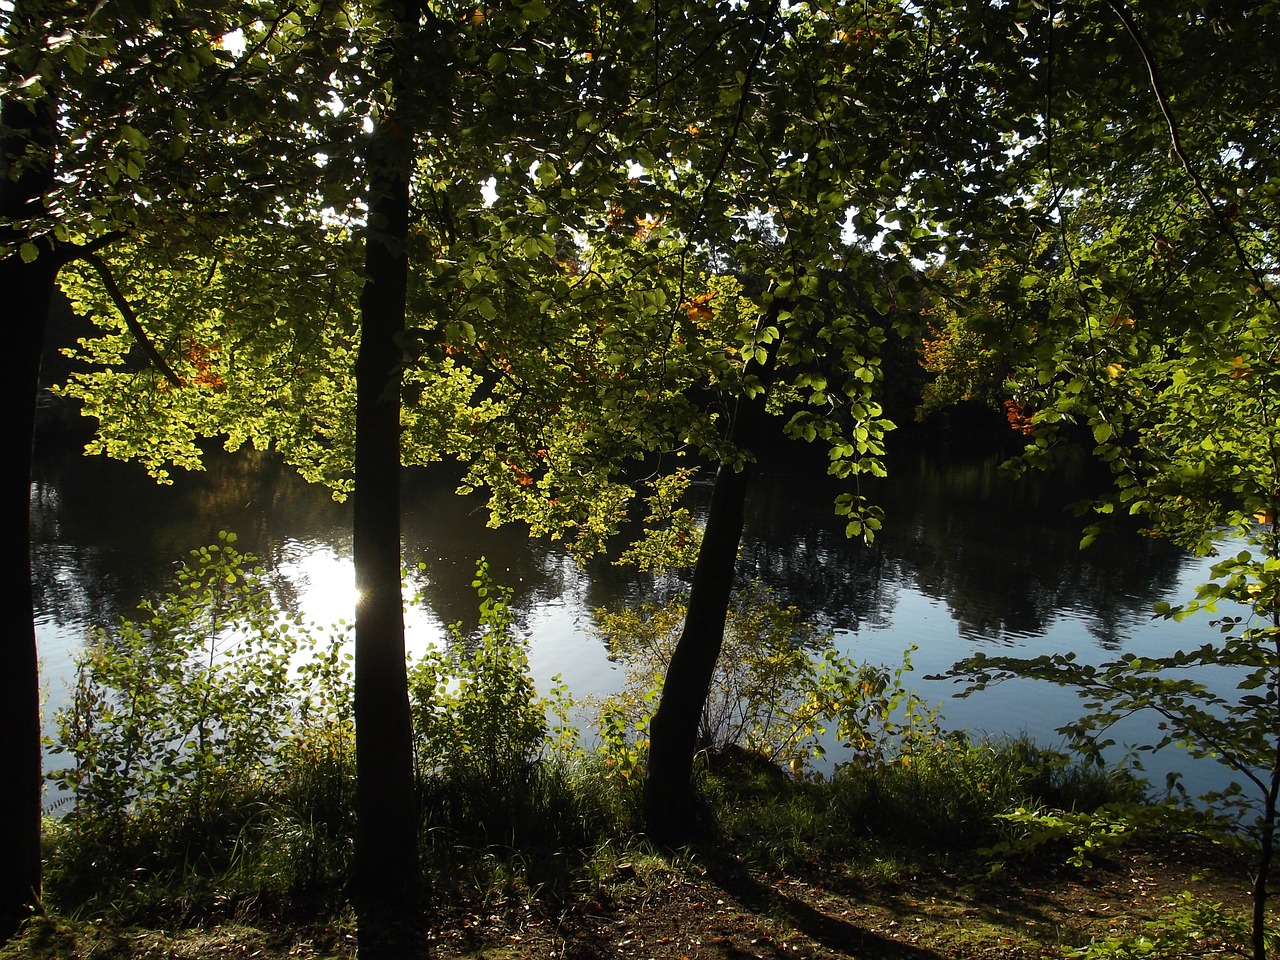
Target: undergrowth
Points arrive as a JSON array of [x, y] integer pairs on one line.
[[214, 776]]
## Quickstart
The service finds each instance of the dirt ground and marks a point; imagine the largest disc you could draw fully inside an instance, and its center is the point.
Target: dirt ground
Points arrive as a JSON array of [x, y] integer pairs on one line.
[[722, 911]]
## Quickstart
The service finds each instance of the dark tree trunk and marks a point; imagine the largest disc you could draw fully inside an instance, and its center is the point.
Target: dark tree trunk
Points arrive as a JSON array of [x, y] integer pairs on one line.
[[385, 885], [27, 288], [669, 808], [1266, 847]]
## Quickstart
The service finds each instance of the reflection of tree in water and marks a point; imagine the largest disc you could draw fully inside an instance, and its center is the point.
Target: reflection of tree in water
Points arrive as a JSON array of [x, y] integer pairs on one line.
[[78, 506], [1002, 553], [1125, 578], [104, 535], [449, 535], [796, 544]]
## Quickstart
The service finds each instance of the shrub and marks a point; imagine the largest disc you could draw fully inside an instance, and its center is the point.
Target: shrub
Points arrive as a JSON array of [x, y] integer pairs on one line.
[[198, 743], [490, 759], [773, 693]]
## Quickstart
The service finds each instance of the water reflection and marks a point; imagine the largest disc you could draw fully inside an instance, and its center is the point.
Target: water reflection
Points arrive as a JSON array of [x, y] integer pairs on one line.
[[968, 557], [1001, 553]]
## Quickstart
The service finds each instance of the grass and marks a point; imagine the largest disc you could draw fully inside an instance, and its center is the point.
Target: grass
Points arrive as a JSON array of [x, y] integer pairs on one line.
[[942, 800], [873, 856], [550, 831]]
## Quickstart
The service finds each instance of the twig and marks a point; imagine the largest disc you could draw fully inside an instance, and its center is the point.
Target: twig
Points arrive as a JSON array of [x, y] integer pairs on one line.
[[1179, 151]]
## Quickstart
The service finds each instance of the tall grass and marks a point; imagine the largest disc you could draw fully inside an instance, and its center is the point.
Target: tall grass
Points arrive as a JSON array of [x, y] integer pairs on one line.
[[283, 844]]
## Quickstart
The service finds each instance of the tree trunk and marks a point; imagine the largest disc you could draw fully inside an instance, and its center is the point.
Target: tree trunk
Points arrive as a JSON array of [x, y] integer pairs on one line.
[[1266, 847], [669, 809], [28, 290], [385, 885]]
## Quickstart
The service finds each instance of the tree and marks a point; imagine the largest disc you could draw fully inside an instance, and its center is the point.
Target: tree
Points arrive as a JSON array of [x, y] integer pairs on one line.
[[828, 151], [821, 158], [71, 166], [237, 369], [535, 210], [785, 176], [1154, 184], [385, 881], [673, 731], [26, 170]]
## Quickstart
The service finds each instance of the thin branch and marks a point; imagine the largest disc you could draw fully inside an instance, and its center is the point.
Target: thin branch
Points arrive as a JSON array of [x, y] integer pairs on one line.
[[744, 95], [130, 318], [1179, 151], [247, 58]]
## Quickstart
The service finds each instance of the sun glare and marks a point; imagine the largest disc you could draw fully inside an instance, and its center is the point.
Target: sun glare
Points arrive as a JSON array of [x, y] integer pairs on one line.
[[325, 582]]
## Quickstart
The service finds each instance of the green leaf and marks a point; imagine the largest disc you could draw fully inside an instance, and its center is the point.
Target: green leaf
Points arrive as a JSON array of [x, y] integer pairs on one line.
[[134, 137]]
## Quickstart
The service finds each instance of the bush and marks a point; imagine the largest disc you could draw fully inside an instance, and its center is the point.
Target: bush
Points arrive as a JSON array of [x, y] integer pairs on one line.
[[773, 693], [493, 755], [213, 748], [947, 798], [198, 746]]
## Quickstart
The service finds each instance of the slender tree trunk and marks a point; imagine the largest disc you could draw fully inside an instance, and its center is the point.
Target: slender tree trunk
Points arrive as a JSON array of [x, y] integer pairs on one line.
[[669, 809], [386, 876], [1266, 853], [1266, 848], [27, 288]]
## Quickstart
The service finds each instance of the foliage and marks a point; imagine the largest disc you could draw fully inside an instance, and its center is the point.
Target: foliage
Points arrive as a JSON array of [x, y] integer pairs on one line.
[[878, 718], [509, 812], [215, 759], [292, 404], [969, 322], [946, 798], [955, 790], [476, 710], [624, 742], [193, 698], [593, 308], [579, 319], [644, 238], [671, 536], [1088, 833], [775, 690], [490, 761], [1138, 269], [475, 713], [212, 735], [1217, 701], [152, 107], [757, 691], [1187, 924]]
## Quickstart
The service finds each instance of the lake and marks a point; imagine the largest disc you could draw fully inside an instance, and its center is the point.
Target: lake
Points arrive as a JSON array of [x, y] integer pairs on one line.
[[969, 560]]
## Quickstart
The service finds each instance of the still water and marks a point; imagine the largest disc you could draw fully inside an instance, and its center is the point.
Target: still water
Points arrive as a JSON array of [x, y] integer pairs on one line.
[[970, 560]]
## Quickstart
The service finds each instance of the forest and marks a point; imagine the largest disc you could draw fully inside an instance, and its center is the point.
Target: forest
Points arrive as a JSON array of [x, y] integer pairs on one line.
[[589, 254]]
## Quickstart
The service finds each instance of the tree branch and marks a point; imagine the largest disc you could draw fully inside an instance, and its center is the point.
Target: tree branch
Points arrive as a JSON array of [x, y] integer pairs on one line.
[[130, 318], [93, 246], [1179, 151]]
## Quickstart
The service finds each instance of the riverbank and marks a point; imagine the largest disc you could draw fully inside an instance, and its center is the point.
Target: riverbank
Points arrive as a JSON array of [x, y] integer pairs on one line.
[[919, 843], [713, 906]]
